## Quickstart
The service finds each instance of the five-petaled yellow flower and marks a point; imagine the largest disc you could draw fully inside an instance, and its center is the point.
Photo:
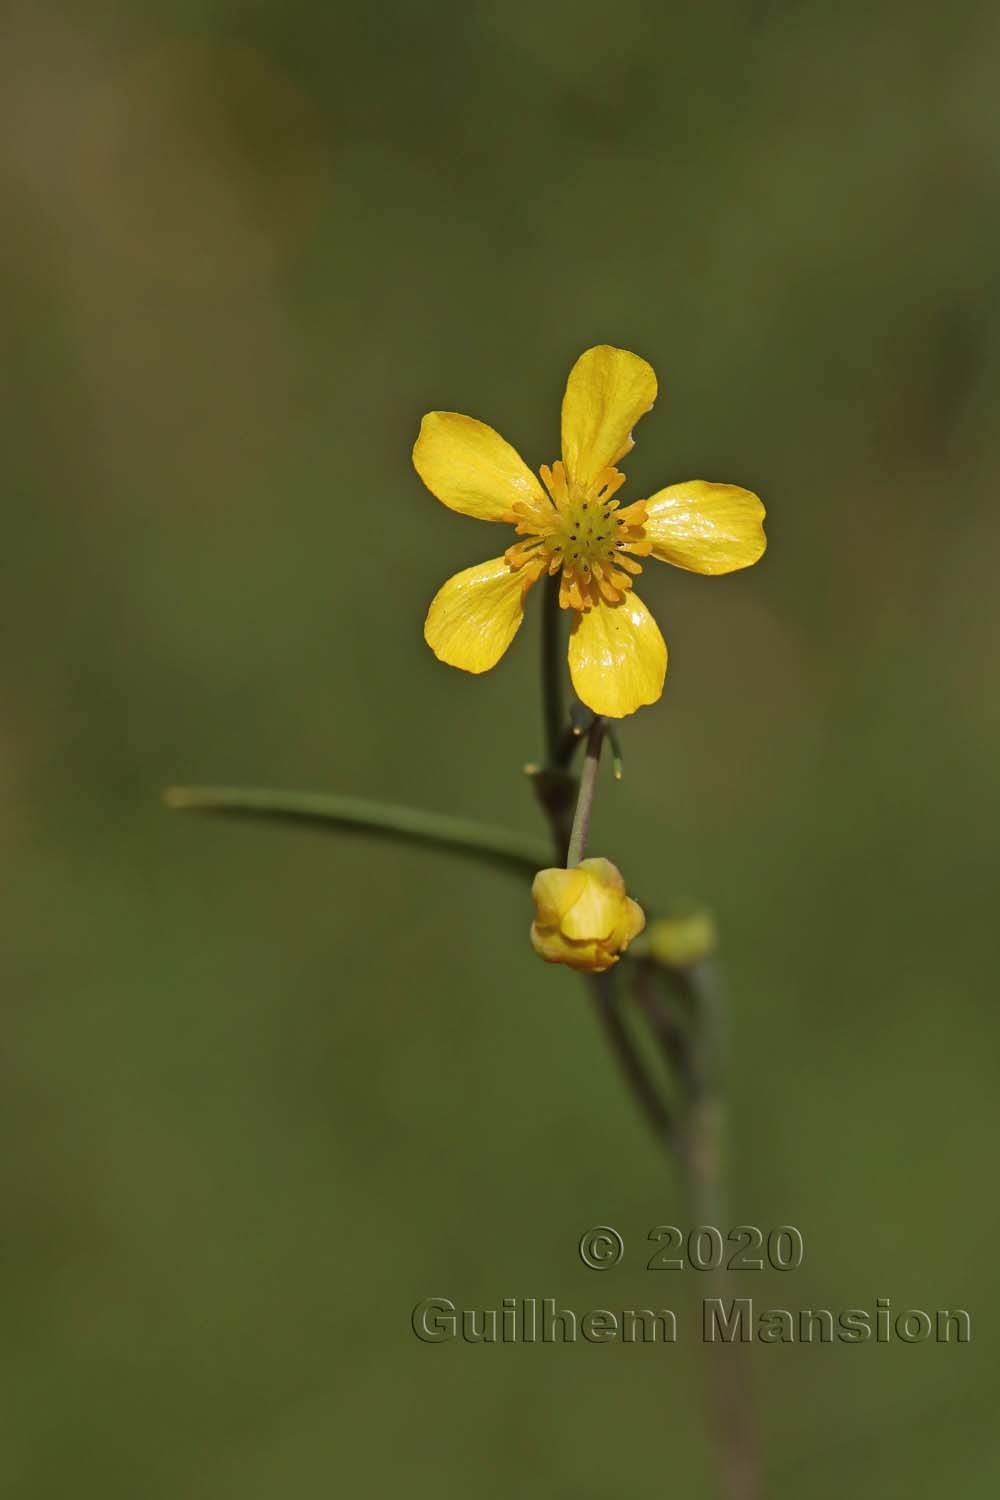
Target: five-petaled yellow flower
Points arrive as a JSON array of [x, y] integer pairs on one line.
[[583, 917], [617, 656]]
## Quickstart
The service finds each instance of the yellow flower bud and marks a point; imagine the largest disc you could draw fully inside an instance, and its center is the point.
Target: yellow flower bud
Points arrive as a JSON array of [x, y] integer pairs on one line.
[[683, 940], [583, 916]]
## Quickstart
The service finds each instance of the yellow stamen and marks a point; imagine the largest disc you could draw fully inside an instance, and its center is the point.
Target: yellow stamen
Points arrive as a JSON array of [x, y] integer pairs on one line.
[[584, 534]]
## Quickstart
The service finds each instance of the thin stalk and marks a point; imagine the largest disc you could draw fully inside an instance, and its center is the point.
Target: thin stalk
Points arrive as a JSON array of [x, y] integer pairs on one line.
[[692, 1141], [671, 1036], [554, 783], [553, 787], [700, 1153], [496, 846], [585, 799], [637, 1076]]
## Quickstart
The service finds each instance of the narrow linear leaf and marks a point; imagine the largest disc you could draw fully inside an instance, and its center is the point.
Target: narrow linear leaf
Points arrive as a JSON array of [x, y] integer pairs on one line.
[[463, 836]]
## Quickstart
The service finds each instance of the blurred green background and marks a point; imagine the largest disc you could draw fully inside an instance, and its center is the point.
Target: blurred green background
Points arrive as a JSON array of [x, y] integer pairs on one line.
[[262, 1090]]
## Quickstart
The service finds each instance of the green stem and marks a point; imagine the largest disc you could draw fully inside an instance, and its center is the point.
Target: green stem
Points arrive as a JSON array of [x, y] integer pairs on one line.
[[700, 1150], [694, 1053], [554, 788], [497, 846], [554, 783], [692, 1137], [644, 1088], [585, 800]]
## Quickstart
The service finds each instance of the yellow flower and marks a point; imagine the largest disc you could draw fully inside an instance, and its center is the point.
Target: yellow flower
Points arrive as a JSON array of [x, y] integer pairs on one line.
[[617, 656], [583, 917]]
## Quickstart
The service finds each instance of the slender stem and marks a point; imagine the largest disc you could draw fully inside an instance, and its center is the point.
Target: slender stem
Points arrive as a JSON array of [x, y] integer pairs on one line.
[[552, 660], [670, 1035], [555, 784], [585, 800], [498, 846], [692, 1053], [700, 1152], [644, 1089]]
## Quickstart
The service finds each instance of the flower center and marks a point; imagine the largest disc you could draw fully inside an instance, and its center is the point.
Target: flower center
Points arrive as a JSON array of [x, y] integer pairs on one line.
[[585, 535]]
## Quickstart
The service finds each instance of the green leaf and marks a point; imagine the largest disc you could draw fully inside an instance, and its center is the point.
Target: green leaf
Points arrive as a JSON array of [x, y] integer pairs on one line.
[[496, 846]]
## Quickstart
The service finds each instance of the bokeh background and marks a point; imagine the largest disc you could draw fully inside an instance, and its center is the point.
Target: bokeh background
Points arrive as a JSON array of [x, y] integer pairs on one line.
[[263, 1090]]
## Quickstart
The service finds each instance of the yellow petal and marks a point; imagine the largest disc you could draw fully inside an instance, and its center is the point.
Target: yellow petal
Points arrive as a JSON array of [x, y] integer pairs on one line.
[[607, 392], [474, 617], [617, 657], [600, 869], [706, 528], [596, 910], [471, 469], [590, 957], [554, 892], [632, 923]]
